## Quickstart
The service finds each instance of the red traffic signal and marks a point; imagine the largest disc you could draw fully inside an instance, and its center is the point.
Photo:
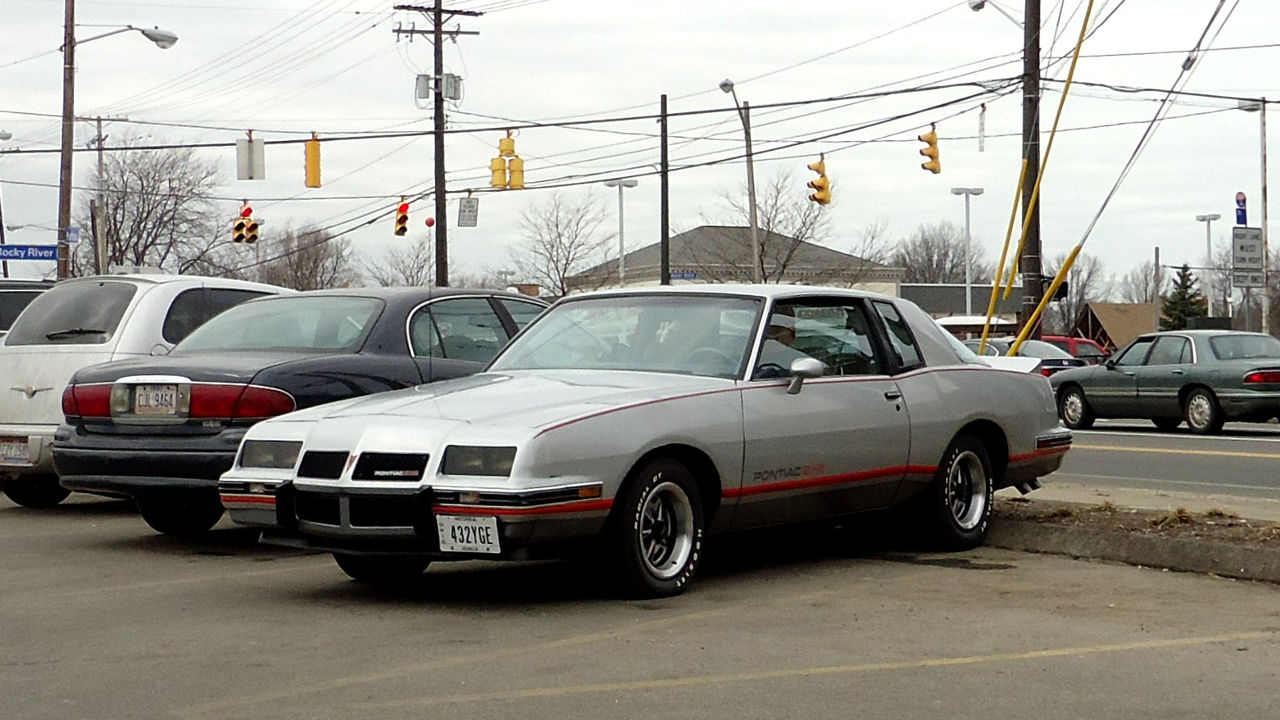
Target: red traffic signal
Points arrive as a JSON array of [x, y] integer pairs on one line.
[[402, 218], [246, 211]]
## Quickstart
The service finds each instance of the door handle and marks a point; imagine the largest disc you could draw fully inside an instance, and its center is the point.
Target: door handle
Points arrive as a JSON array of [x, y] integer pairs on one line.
[[892, 394], [1176, 372], [1130, 373]]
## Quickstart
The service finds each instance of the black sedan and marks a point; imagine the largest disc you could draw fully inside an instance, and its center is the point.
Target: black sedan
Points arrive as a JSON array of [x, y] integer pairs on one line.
[[1052, 359], [1205, 377], [161, 430]]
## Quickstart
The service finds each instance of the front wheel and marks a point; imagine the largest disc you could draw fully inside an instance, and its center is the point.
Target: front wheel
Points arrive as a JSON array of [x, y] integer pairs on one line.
[[1074, 409], [386, 570], [182, 515], [959, 499], [1203, 414], [34, 491], [657, 533]]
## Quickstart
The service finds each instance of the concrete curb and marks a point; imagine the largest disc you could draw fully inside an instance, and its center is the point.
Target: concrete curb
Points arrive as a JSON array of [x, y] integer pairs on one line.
[[1180, 554]]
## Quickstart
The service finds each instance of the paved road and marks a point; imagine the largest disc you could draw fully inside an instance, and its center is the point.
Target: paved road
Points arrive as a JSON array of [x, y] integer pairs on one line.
[[104, 619], [1243, 461]]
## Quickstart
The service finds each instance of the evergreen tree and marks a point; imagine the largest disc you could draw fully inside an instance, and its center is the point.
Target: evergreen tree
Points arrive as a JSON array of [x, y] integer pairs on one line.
[[1183, 301]]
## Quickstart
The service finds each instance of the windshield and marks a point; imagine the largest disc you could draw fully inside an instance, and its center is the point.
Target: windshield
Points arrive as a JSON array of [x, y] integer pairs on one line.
[[686, 334], [79, 313], [1041, 349], [1242, 346], [308, 323]]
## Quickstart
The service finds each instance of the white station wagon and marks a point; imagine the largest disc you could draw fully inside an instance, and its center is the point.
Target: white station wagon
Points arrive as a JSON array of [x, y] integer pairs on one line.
[[633, 422], [80, 322]]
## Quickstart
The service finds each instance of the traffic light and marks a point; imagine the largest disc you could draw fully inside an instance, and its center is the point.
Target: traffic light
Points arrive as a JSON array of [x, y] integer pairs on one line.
[[251, 232], [821, 184], [499, 168], [507, 169], [930, 150], [515, 174], [507, 146], [402, 218], [239, 228], [311, 162]]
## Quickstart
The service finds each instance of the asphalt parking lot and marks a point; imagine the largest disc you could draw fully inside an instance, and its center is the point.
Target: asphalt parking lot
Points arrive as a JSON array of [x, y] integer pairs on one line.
[[105, 619]]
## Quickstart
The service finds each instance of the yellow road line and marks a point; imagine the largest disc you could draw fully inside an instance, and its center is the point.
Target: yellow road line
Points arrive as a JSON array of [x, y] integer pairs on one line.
[[1175, 451], [751, 676]]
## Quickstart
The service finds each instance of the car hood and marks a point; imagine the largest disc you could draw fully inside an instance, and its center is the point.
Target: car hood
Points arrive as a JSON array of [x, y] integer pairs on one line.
[[229, 367], [522, 398]]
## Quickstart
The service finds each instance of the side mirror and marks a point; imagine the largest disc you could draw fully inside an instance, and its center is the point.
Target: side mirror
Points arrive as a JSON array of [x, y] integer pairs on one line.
[[802, 368], [1110, 364]]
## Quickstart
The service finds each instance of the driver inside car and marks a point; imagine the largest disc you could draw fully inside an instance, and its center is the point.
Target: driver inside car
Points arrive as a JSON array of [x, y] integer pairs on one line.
[[777, 353]]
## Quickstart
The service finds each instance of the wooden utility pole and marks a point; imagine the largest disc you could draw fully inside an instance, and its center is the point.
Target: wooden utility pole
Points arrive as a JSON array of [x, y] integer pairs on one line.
[[1032, 285], [439, 16]]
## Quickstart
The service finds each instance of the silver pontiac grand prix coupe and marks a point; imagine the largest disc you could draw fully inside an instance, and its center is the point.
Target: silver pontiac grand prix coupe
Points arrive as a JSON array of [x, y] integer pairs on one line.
[[635, 422]]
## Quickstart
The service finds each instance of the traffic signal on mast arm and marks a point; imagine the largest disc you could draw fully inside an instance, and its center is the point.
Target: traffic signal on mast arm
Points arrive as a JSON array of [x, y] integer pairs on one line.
[[402, 218], [507, 169], [930, 150], [251, 232], [820, 184], [311, 162], [239, 228]]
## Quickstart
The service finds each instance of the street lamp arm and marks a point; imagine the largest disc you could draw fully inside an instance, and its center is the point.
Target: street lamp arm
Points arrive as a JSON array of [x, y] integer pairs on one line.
[[162, 38]]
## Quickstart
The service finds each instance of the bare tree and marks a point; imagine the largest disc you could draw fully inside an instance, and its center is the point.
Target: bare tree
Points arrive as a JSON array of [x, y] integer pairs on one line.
[[1086, 282], [412, 265], [1143, 284], [563, 238], [935, 254], [156, 211], [307, 260]]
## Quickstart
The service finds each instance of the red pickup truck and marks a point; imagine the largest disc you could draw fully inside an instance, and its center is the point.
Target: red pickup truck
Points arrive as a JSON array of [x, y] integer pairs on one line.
[[1083, 348]]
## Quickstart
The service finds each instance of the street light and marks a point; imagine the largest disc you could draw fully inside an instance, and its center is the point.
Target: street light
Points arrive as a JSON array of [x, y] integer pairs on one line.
[[967, 192], [1260, 106], [744, 112], [622, 247], [162, 38], [1208, 219], [4, 135]]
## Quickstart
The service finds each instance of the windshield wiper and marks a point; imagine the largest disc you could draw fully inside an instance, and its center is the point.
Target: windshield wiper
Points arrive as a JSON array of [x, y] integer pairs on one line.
[[72, 332]]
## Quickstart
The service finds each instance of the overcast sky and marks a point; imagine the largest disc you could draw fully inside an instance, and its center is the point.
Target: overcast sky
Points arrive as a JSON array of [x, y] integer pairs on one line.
[[286, 68]]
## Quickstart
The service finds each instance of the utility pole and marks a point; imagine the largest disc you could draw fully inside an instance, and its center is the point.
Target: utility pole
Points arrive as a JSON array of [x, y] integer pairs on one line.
[[101, 256], [439, 16], [664, 242], [1032, 284]]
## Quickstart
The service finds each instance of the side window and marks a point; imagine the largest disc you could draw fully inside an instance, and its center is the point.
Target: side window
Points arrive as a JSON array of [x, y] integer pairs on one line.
[[900, 338], [469, 329], [521, 312], [833, 332], [424, 339], [187, 313], [1170, 350], [1136, 353]]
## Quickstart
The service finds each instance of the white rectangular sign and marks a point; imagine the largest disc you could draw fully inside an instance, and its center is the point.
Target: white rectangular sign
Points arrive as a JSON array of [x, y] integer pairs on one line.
[[250, 159], [1246, 248], [468, 211]]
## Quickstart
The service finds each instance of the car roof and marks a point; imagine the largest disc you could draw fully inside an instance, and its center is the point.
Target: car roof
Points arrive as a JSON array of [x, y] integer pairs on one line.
[[413, 292], [163, 278], [761, 290]]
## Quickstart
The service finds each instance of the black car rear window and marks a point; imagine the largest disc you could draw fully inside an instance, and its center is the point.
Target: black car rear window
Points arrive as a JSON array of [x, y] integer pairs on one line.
[[307, 323], [80, 313]]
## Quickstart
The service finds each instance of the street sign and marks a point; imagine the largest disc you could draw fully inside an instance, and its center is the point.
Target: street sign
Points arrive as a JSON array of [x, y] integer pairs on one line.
[[684, 274], [1242, 215], [1246, 257], [28, 252], [250, 159], [73, 235], [468, 211]]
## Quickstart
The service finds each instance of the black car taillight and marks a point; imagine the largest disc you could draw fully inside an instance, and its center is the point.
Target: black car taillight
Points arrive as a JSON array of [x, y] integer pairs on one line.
[[238, 401], [87, 400]]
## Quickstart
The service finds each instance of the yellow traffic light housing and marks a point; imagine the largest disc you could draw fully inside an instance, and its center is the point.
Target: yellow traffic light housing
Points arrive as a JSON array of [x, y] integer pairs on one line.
[[507, 146], [402, 218], [240, 228], [311, 162], [930, 150], [515, 174], [820, 184], [251, 232], [507, 170], [498, 167]]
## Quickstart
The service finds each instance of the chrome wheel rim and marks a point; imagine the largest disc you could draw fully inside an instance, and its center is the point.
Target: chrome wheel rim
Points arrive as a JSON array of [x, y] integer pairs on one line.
[[666, 530], [966, 490], [1073, 407], [1199, 411]]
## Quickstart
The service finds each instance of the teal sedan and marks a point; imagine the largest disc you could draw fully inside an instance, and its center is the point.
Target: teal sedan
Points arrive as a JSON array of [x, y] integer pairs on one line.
[[1202, 377]]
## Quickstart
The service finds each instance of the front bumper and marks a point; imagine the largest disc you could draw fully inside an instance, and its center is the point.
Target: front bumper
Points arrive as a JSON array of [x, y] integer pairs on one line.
[[129, 465], [404, 521]]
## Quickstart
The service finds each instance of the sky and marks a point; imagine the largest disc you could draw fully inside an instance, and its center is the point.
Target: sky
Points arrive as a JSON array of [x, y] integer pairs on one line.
[[856, 81]]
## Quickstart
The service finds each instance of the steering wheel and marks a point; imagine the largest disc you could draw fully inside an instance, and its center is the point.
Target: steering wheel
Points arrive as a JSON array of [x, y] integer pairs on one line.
[[770, 370]]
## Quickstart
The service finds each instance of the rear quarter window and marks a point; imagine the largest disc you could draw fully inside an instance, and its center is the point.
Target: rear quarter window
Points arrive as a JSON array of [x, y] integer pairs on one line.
[[81, 313], [11, 304]]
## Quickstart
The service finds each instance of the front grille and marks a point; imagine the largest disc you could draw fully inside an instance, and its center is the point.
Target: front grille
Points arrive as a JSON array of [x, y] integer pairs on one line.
[[322, 509], [390, 466], [322, 464], [384, 511]]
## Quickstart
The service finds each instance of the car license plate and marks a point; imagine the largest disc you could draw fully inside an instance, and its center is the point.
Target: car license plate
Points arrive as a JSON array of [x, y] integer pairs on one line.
[[15, 450], [155, 399], [468, 533]]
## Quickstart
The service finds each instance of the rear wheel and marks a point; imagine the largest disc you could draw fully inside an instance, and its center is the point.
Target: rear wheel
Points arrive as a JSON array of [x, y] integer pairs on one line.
[[1203, 414], [958, 503], [656, 536], [1166, 424], [1074, 410], [181, 515], [34, 491], [383, 570]]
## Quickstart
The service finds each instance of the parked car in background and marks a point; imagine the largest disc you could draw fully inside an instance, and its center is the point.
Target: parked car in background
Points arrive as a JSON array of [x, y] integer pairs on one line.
[[636, 421], [16, 295], [1205, 377], [81, 322], [160, 430], [1052, 359], [1083, 348]]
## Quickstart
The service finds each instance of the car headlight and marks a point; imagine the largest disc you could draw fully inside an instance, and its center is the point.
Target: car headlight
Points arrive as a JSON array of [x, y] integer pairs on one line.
[[475, 460], [269, 453]]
